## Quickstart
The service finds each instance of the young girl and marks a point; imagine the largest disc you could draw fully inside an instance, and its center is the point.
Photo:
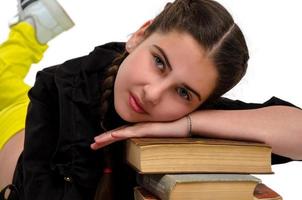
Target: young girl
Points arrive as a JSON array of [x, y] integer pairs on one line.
[[165, 82]]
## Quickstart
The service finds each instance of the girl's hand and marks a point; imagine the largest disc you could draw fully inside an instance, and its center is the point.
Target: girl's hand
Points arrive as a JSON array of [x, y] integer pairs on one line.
[[178, 128]]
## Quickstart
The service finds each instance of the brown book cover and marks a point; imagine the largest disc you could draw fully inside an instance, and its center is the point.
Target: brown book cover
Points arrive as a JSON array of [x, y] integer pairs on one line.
[[199, 186], [197, 155], [261, 192]]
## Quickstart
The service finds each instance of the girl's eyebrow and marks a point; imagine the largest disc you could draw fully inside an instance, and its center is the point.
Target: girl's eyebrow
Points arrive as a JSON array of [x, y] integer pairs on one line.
[[170, 67], [164, 55], [193, 91]]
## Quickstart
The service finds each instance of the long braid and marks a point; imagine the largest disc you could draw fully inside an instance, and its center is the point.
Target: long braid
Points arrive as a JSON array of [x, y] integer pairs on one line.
[[105, 186], [107, 88]]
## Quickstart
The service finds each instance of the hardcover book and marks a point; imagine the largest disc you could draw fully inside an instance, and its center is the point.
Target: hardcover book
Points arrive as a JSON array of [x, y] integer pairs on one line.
[[261, 192], [197, 155], [199, 186]]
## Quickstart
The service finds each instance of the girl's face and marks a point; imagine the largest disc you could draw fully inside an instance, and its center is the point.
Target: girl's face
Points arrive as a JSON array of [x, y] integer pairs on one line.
[[164, 77]]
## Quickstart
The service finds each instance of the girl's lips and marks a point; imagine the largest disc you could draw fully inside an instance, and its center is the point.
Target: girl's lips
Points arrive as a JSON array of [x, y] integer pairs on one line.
[[135, 105]]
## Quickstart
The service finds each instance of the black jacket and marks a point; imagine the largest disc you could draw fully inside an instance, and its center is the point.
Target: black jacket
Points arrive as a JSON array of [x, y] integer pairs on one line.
[[63, 118]]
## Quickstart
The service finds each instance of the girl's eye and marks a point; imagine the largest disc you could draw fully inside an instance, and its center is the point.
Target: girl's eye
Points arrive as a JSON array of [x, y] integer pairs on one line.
[[159, 63], [183, 93]]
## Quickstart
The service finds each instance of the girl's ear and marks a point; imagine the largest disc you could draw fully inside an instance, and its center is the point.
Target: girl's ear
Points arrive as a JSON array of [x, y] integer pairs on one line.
[[137, 37]]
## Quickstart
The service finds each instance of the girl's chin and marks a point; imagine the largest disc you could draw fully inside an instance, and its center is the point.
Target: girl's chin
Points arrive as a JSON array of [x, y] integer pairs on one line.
[[125, 112], [126, 116]]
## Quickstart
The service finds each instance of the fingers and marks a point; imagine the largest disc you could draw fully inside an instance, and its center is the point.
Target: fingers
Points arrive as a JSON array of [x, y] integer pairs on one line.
[[107, 138], [102, 140], [163, 129]]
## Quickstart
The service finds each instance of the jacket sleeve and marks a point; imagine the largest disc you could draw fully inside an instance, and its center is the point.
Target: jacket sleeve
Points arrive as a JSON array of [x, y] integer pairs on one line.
[[229, 104]]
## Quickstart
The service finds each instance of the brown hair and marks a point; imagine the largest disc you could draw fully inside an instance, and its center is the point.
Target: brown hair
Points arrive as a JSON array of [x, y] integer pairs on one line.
[[212, 26]]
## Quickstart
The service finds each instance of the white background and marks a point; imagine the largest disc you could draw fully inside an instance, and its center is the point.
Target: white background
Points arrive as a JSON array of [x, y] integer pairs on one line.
[[273, 30]]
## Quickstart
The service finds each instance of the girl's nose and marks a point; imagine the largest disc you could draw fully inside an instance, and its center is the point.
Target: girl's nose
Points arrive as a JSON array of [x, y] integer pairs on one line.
[[153, 93]]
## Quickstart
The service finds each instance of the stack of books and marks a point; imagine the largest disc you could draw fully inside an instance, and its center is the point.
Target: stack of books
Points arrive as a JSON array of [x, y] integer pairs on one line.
[[199, 168]]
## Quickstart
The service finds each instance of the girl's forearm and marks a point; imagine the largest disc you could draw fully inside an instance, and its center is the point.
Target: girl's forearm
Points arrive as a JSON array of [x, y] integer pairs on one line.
[[278, 126]]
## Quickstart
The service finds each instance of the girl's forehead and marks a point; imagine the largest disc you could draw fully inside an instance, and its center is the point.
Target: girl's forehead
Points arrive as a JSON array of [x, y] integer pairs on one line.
[[180, 48], [181, 42]]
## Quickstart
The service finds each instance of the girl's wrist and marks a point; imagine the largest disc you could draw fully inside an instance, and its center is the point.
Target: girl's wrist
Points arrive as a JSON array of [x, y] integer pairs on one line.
[[184, 126]]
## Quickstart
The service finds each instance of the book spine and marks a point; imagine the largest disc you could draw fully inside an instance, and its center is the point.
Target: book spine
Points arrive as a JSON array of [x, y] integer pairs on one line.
[[159, 185]]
